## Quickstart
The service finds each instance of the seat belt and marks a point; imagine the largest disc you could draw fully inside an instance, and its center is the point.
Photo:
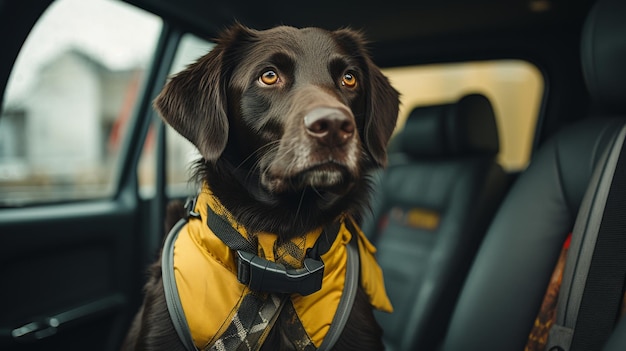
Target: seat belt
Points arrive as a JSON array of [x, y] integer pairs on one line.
[[593, 279]]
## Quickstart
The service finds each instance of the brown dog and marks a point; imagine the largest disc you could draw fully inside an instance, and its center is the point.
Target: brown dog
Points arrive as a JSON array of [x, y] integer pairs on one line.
[[288, 122]]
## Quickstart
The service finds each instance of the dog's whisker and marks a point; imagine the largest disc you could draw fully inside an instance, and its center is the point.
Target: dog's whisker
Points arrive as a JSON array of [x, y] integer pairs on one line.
[[254, 167], [300, 204], [318, 193], [256, 152]]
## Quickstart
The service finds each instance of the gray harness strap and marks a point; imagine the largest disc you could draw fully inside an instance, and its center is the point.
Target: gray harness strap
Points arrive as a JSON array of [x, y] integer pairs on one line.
[[177, 314], [175, 308], [347, 298]]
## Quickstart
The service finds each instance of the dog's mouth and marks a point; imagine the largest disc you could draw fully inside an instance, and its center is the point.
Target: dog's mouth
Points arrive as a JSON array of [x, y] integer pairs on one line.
[[328, 176]]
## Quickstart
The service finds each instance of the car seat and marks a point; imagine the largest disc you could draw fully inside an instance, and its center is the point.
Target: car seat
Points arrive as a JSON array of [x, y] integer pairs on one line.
[[507, 282], [433, 204], [617, 341]]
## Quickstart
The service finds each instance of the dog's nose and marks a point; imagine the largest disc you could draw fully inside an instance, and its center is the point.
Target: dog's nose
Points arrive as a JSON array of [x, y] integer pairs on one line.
[[330, 126]]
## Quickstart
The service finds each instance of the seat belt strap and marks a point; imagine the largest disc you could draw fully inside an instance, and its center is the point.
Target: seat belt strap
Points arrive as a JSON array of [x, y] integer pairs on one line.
[[604, 289], [595, 258]]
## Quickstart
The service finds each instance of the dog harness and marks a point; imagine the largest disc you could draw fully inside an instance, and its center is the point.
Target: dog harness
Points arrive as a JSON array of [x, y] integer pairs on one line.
[[225, 289]]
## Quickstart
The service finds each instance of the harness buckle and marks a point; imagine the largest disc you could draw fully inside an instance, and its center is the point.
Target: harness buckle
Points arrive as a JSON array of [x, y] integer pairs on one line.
[[267, 276], [190, 207]]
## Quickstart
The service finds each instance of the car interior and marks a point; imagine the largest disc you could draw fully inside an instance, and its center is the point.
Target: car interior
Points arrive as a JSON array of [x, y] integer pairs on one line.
[[432, 207], [499, 220]]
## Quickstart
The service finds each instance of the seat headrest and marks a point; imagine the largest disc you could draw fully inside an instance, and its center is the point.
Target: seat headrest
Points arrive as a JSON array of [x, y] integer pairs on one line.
[[458, 129], [603, 53]]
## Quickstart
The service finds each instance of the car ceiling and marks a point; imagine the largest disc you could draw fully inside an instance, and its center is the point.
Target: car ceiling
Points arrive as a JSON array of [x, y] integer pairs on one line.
[[544, 32], [401, 32], [390, 25]]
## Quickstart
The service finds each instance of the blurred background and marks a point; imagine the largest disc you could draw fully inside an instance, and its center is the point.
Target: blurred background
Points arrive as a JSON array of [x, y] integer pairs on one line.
[[74, 86]]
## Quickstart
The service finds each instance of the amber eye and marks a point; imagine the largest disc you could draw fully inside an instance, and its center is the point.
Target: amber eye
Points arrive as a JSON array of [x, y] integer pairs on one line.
[[269, 77], [348, 80]]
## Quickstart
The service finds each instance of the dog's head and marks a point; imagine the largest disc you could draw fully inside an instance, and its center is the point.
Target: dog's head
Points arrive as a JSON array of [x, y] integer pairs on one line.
[[298, 107]]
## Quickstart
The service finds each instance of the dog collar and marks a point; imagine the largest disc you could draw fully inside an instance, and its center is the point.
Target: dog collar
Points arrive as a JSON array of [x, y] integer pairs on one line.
[[209, 311], [293, 267]]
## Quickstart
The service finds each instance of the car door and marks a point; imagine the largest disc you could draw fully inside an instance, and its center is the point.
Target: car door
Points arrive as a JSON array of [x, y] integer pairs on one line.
[[76, 228]]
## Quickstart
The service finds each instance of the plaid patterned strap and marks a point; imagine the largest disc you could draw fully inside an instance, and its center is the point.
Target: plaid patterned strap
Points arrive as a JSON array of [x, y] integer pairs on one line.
[[258, 311], [254, 320], [249, 326]]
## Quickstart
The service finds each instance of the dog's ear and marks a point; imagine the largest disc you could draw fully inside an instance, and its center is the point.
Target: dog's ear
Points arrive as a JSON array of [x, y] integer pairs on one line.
[[382, 113], [194, 101], [382, 100]]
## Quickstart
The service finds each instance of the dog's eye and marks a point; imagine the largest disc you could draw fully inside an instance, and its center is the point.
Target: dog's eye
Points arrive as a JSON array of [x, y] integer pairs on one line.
[[269, 77], [348, 80]]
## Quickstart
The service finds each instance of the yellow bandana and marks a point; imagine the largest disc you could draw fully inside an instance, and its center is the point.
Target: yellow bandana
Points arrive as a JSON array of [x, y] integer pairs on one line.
[[206, 275]]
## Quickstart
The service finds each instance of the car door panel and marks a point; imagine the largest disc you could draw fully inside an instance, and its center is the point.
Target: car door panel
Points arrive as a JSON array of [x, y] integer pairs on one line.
[[72, 270], [67, 268]]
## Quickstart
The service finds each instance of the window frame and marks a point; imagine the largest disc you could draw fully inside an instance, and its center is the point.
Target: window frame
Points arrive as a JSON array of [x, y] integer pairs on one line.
[[123, 182]]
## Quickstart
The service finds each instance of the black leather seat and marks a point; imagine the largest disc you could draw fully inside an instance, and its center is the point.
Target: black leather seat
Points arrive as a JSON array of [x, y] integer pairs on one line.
[[617, 342], [434, 202], [506, 284]]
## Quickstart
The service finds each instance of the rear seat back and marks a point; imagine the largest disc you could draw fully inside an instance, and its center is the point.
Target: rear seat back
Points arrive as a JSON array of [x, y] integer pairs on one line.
[[434, 202], [507, 282]]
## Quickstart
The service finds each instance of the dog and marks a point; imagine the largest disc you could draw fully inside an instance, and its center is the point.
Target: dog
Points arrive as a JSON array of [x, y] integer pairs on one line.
[[289, 122]]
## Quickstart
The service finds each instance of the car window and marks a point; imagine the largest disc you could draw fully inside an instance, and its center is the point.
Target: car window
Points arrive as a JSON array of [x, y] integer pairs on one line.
[[69, 99], [180, 153], [514, 87]]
